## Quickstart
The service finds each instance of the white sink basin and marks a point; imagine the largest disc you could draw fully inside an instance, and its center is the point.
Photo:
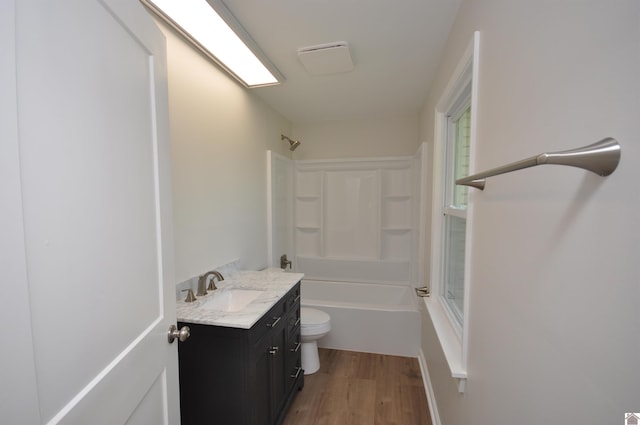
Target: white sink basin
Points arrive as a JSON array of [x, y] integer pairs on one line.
[[231, 300]]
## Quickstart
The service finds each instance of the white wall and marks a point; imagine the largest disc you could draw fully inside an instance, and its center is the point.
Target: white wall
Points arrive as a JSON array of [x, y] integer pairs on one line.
[[220, 133], [389, 135], [18, 381], [554, 307]]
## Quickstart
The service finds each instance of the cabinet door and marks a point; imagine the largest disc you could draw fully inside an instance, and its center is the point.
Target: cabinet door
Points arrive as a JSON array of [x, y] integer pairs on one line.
[[262, 411], [278, 359]]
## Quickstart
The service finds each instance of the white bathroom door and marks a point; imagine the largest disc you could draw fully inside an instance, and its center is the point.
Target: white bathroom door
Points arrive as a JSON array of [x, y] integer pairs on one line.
[[280, 208], [89, 223]]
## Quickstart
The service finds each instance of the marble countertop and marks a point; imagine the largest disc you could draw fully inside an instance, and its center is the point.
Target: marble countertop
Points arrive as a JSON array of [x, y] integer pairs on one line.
[[274, 284]]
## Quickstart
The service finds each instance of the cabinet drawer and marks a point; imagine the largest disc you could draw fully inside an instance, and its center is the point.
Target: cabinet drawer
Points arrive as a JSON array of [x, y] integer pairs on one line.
[[293, 298], [294, 345], [293, 320], [271, 319], [294, 363], [294, 342]]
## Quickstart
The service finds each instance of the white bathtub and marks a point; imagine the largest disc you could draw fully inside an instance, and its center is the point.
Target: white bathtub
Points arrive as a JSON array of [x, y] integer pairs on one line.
[[367, 317]]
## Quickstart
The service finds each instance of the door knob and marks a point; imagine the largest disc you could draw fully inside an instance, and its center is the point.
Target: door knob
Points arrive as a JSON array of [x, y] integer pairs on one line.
[[183, 334]]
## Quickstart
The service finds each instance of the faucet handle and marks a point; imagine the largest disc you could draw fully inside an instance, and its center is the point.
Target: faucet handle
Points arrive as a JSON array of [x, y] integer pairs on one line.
[[212, 285], [190, 297], [202, 283]]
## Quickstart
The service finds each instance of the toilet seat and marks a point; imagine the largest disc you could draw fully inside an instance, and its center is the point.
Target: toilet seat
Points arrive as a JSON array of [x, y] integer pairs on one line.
[[311, 316], [314, 321]]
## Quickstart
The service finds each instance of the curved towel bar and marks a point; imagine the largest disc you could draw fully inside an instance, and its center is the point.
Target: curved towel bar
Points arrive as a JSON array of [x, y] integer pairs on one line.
[[601, 158]]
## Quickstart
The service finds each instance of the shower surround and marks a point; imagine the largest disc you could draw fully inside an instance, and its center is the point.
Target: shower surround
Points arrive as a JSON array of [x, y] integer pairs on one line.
[[356, 234]]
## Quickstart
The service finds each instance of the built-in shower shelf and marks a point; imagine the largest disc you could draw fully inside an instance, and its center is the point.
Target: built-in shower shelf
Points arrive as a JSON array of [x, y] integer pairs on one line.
[[308, 212], [395, 243], [354, 210], [308, 240], [310, 228], [397, 197], [396, 212], [308, 184], [354, 269]]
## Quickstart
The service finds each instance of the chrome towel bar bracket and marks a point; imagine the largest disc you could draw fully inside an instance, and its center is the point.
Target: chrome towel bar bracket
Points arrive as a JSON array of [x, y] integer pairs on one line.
[[600, 158]]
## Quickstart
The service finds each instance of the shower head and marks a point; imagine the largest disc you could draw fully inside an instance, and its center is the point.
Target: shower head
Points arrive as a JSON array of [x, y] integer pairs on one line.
[[293, 144]]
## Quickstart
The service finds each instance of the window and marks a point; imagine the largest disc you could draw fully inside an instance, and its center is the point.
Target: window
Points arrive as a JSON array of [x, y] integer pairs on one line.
[[452, 212]]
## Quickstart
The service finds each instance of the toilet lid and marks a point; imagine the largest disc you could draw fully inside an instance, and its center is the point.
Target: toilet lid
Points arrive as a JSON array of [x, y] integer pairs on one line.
[[311, 316]]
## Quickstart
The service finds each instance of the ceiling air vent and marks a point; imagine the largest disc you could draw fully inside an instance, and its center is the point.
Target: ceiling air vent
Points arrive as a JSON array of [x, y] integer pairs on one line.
[[325, 59]]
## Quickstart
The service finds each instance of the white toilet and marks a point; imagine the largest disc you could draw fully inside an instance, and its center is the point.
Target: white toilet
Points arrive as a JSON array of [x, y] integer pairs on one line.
[[314, 324]]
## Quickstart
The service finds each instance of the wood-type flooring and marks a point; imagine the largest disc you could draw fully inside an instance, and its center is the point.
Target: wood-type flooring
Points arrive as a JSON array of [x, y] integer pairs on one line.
[[361, 389]]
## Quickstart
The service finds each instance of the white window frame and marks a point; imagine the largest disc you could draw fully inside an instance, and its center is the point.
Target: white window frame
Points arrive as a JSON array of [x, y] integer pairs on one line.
[[452, 335], [462, 103]]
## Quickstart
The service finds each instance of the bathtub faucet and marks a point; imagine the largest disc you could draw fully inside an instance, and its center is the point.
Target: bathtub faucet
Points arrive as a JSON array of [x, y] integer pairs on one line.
[[284, 262]]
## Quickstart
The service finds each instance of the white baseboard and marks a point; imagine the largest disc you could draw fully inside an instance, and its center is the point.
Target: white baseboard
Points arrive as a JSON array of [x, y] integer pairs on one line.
[[431, 399]]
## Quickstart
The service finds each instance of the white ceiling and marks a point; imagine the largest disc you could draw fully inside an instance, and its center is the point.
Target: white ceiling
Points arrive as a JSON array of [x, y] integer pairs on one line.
[[395, 46]]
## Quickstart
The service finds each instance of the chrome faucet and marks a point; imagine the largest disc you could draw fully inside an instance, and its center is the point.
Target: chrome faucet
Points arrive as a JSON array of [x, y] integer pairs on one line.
[[202, 282]]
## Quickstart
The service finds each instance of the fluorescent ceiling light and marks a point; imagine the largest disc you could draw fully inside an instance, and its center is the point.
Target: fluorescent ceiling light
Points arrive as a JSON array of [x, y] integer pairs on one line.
[[201, 24]]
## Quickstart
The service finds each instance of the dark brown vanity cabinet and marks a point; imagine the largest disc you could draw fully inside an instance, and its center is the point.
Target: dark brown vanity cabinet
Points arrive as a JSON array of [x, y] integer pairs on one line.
[[231, 376]]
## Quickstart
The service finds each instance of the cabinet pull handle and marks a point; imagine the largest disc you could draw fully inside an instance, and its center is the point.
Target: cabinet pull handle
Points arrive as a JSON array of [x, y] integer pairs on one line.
[[275, 322], [297, 299], [297, 322], [295, 350], [298, 370], [273, 350]]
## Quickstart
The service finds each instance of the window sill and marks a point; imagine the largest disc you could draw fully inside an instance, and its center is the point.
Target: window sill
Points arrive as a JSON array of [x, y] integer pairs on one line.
[[449, 341]]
